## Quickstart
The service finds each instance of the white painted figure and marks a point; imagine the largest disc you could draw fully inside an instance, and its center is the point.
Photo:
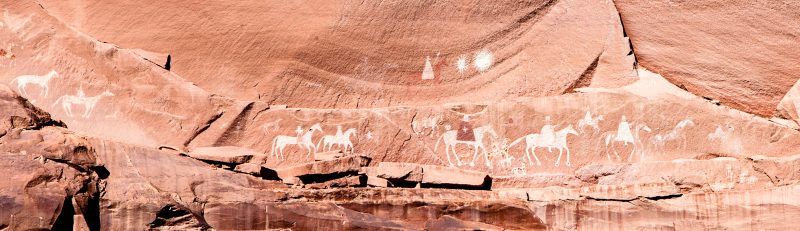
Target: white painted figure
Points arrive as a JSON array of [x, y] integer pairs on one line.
[[341, 140], [721, 134], [431, 122], [625, 136], [590, 121], [483, 60], [427, 71], [547, 132], [559, 141], [506, 161], [42, 81], [677, 133], [462, 64], [450, 141], [303, 139], [271, 126], [80, 98]]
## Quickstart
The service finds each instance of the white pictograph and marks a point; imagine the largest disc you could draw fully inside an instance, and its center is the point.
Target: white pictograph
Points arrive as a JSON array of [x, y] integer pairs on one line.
[[370, 136], [427, 71], [506, 161], [303, 139], [721, 134], [42, 81], [624, 135], [519, 171], [558, 141], [341, 140], [483, 60], [431, 122], [450, 139], [271, 126], [462, 64], [677, 133], [88, 102], [590, 121]]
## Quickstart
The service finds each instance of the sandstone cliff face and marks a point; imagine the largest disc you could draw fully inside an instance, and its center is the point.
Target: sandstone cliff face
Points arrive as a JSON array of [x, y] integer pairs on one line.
[[524, 115]]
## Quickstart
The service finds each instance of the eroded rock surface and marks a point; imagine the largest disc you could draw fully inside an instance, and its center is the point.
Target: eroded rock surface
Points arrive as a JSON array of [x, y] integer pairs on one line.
[[412, 115]]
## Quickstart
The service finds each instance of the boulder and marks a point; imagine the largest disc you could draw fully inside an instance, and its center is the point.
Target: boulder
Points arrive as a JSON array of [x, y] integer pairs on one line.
[[377, 182], [393, 171], [249, 168], [226, 155], [321, 171], [444, 176]]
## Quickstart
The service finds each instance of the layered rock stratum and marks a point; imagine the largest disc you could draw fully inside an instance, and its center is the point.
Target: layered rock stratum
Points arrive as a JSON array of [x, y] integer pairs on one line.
[[399, 115]]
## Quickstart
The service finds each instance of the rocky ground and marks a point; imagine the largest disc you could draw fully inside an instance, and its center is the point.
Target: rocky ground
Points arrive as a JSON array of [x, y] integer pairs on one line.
[[405, 115]]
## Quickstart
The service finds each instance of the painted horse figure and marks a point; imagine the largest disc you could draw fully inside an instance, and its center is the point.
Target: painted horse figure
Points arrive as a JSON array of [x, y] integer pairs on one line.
[[303, 139], [451, 140], [88, 102], [42, 81], [536, 140], [341, 140], [590, 121]]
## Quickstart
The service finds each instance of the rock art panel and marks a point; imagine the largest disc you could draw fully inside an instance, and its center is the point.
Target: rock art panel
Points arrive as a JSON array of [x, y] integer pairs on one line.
[[80, 98], [41, 81]]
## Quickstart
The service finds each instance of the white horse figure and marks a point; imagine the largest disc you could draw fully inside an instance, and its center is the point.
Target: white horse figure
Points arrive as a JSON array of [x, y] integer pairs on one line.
[[536, 140], [634, 140], [506, 160], [721, 134], [42, 81], [588, 120], [674, 134], [341, 139], [88, 102], [303, 139], [451, 140], [418, 126]]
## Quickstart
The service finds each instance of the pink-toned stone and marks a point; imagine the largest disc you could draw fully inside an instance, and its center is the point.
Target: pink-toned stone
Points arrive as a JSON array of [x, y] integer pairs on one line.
[[348, 164], [411, 172], [249, 168], [441, 175], [227, 154]]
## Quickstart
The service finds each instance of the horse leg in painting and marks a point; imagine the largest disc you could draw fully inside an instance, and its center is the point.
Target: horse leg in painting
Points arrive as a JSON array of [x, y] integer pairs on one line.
[[452, 148], [474, 154], [568, 162], [458, 159], [558, 160], [533, 151], [447, 153], [21, 89], [633, 150], [528, 155], [486, 157]]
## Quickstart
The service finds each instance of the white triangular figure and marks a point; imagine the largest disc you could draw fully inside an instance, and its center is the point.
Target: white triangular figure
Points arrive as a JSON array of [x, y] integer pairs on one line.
[[427, 72]]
